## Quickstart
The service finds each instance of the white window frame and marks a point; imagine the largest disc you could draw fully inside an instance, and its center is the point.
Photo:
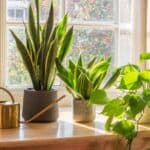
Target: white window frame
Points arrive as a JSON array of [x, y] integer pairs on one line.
[[139, 34]]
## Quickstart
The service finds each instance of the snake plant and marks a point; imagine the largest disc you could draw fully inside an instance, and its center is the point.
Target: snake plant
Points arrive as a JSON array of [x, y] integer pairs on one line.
[[44, 43], [83, 80]]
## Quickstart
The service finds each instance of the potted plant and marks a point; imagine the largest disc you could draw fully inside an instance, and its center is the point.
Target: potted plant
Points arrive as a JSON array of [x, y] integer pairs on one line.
[[125, 111], [83, 82], [43, 44], [145, 56]]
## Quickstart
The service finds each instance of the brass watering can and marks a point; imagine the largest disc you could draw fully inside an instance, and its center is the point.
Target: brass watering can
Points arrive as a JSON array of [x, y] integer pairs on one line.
[[9, 112]]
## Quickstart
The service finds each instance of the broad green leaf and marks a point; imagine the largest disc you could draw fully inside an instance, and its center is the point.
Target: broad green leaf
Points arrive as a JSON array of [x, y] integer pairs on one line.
[[125, 128], [144, 56], [130, 81], [129, 68], [146, 96], [114, 108], [99, 97], [145, 75], [135, 103]]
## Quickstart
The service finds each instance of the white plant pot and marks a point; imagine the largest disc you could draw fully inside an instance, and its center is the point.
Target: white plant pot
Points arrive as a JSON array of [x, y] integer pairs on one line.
[[83, 111]]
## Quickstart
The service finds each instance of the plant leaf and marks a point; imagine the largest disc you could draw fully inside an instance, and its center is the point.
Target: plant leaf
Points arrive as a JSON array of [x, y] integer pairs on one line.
[[67, 41], [130, 81], [144, 56], [114, 107], [99, 97], [126, 129], [112, 79]]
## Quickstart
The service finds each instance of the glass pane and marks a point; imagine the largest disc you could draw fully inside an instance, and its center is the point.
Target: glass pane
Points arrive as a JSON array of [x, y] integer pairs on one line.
[[125, 11], [20, 7], [16, 73], [92, 42], [90, 10], [125, 52]]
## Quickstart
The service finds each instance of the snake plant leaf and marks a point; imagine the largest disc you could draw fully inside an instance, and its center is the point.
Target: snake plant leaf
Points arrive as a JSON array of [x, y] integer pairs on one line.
[[50, 62], [145, 75], [83, 82], [144, 56], [49, 23], [26, 58], [99, 96], [29, 44], [62, 26], [130, 81], [66, 80], [112, 79], [78, 75], [66, 44], [32, 28], [91, 63], [38, 20], [98, 69], [80, 63], [43, 44], [72, 66], [61, 68], [98, 81]]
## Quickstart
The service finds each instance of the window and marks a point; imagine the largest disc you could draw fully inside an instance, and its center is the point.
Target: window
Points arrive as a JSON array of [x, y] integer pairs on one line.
[[100, 27]]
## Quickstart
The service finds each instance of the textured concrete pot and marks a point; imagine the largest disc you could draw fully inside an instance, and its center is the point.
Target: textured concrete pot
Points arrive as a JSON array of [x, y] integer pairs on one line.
[[82, 111], [35, 101]]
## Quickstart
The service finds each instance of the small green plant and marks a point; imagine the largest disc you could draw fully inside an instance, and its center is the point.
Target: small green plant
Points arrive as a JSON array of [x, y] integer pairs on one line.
[[43, 44], [84, 80], [125, 111]]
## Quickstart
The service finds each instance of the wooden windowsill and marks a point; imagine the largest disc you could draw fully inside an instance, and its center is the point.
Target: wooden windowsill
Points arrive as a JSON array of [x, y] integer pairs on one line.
[[67, 135]]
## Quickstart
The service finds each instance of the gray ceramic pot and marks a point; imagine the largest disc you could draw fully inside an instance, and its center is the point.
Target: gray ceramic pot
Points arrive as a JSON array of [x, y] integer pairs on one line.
[[82, 111], [35, 101]]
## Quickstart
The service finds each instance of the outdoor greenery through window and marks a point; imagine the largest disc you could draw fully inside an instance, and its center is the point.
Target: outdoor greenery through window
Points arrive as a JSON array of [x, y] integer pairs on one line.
[[100, 27]]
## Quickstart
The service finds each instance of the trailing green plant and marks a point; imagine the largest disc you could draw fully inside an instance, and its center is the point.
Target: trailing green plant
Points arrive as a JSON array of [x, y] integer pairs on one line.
[[84, 80], [125, 111], [43, 44]]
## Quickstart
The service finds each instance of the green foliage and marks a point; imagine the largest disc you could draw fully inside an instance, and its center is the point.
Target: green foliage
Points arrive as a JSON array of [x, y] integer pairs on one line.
[[114, 108], [83, 80], [99, 97], [125, 128], [144, 56], [43, 45], [124, 111]]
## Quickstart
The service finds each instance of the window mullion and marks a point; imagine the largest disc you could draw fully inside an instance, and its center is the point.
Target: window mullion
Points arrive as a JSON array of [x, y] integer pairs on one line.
[[2, 40]]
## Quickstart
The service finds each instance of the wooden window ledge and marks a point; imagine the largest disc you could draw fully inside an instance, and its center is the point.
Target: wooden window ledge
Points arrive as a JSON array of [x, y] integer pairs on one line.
[[67, 135]]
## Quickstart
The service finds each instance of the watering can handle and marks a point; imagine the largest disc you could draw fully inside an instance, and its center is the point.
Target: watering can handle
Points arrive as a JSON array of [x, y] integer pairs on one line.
[[11, 96]]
